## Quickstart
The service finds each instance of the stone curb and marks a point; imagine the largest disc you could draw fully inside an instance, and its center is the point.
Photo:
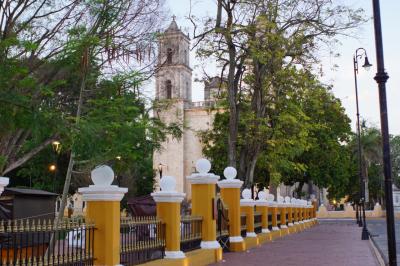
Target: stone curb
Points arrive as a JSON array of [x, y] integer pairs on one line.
[[377, 252]]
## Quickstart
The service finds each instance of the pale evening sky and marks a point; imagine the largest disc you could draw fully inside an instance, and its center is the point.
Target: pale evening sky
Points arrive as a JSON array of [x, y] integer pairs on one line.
[[342, 78]]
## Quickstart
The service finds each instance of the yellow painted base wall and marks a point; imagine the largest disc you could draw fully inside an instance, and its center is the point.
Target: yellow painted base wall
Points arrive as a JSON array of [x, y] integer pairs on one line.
[[252, 242], [202, 257], [237, 246], [198, 257]]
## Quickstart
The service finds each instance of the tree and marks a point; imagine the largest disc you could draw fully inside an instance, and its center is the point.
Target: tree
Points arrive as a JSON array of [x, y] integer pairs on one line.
[[395, 155], [304, 140], [259, 43], [62, 60]]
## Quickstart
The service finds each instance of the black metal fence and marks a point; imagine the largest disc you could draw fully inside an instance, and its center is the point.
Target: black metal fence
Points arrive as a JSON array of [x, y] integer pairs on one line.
[[191, 232], [223, 225], [257, 222], [278, 219], [270, 222], [243, 225], [142, 239], [43, 242]]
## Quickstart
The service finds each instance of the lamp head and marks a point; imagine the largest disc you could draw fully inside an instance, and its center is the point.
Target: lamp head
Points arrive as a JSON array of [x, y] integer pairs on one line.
[[367, 65]]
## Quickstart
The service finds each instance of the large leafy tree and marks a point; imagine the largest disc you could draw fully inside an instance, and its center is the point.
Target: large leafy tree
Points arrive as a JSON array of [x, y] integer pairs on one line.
[[302, 139], [73, 72], [395, 156], [266, 37], [259, 44]]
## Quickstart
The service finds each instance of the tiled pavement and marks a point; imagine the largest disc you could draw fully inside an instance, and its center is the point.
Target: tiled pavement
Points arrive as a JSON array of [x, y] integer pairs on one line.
[[377, 229], [329, 243]]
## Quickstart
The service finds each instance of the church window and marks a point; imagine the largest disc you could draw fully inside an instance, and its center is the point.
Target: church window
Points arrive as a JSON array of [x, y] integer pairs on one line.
[[168, 86], [169, 56], [186, 57]]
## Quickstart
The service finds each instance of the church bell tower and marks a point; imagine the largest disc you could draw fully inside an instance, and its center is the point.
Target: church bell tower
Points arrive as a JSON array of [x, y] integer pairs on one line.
[[174, 93], [174, 75]]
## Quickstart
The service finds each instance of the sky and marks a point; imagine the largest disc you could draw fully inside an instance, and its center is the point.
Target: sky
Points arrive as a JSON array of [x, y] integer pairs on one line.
[[342, 77]]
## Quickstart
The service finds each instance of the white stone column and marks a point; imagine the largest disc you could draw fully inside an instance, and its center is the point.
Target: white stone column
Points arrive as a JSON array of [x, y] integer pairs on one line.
[[4, 181]]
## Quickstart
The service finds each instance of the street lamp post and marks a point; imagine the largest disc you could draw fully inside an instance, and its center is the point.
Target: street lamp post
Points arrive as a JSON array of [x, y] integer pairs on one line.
[[381, 78], [360, 53], [160, 169], [357, 216]]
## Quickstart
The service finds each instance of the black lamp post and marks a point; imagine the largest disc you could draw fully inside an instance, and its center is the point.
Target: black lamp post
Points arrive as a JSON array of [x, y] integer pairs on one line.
[[381, 78], [357, 216], [160, 169], [360, 53]]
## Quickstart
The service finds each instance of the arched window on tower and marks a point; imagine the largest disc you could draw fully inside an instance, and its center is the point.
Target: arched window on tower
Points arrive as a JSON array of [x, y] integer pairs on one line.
[[168, 89], [186, 57], [169, 56]]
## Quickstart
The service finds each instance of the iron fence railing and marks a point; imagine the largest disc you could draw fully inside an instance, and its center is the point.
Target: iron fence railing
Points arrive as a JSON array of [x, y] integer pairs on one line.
[[257, 222], [243, 224], [45, 242], [223, 225], [270, 222], [142, 239], [191, 232]]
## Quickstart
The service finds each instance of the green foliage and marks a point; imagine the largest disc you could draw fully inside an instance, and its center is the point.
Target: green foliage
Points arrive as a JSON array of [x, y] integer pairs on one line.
[[395, 156], [303, 137], [77, 58]]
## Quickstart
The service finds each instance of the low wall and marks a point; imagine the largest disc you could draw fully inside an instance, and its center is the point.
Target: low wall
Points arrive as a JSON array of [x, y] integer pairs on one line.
[[349, 212]]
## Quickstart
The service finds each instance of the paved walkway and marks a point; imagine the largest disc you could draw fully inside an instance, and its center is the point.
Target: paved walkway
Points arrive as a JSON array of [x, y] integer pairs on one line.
[[329, 243], [377, 229]]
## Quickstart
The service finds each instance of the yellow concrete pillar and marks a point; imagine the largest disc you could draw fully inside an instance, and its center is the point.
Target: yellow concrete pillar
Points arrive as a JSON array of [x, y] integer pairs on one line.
[[274, 217], [230, 194], [282, 210], [247, 206], [203, 202], [262, 207], [296, 214], [103, 208], [315, 209], [289, 211], [168, 202]]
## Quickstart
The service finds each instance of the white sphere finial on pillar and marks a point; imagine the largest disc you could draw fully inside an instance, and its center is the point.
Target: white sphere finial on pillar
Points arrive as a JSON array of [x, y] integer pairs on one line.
[[102, 190], [287, 199], [270, 197], [203, 166], [168, 183], [102, 175], [246, 193], [231, 181], [230, 173], [262, 195]]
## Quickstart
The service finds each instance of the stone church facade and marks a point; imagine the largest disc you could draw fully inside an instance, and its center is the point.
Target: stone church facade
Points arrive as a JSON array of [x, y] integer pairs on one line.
[[174, 92]]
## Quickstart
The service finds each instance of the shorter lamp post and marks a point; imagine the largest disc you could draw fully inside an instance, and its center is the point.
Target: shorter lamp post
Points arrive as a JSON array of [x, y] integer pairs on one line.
[[360, 53], [160, 169]]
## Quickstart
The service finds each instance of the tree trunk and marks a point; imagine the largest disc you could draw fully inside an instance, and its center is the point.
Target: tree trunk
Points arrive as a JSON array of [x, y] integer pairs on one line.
[[67, 182]]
